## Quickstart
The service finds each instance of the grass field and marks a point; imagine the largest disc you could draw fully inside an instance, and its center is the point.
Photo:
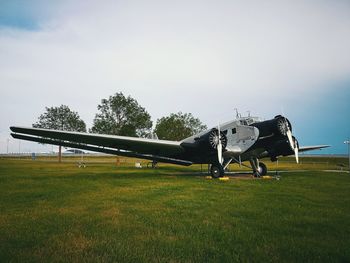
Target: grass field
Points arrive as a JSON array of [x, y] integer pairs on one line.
[[52, 212]]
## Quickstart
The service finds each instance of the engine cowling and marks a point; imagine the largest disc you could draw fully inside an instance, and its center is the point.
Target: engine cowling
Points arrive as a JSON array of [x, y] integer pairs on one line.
[[282, 147], [277, 126], [283, 124], [213, 139], [209, 141]]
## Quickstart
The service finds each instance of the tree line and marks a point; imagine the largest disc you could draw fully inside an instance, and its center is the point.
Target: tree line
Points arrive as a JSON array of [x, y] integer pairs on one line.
[[121, 115]]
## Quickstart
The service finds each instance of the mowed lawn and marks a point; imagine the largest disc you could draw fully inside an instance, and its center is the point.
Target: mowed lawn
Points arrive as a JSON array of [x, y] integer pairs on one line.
[[52, 212]]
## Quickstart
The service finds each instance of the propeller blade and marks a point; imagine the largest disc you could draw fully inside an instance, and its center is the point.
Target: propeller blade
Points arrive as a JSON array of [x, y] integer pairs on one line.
[[220, 153], [296, 152], [291, 142], [290, 139], [289, 135], [219, 147]]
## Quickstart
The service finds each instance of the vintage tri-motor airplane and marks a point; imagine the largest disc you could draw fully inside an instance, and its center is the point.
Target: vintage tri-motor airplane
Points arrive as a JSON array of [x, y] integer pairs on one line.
[[243, 139]]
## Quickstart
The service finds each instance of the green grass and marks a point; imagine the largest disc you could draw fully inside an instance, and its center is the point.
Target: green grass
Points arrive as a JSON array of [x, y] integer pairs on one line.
[[52, 212]]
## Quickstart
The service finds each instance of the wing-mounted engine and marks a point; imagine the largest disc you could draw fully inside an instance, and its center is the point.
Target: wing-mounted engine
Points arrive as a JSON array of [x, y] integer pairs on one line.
[[213, 139], [207, 141], [205, 147]]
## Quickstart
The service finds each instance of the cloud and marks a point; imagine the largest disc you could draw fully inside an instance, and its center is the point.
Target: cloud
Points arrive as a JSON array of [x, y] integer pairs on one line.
[[195, 56]]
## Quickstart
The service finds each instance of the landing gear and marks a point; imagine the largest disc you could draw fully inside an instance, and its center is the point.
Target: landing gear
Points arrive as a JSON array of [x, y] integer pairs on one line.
[[259, 169], [217, 170], [262, 169]]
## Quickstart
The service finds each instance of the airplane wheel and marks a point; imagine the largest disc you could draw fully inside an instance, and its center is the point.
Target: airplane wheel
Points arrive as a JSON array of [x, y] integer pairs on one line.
[[262, 169], [216, 171]]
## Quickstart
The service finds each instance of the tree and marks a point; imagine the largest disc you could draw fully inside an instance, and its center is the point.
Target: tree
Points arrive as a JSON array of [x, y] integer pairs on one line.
[[178, 126], [120, 115], [60, 118]]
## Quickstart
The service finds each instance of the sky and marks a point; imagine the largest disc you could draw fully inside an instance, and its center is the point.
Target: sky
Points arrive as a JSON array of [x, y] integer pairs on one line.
[[202, 57]]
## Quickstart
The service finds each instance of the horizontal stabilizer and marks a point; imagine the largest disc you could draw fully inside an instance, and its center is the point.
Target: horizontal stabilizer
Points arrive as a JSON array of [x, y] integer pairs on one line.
[[311, 148]]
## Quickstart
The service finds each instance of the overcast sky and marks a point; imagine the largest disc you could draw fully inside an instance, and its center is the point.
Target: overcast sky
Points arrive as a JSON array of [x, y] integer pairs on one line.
[[203, 57]]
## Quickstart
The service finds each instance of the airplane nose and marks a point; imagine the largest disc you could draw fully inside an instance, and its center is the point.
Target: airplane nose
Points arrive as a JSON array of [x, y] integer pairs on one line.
[[278, 126]]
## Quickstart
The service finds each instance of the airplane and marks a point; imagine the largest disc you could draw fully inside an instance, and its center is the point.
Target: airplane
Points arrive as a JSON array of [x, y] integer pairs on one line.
[[243, 139]]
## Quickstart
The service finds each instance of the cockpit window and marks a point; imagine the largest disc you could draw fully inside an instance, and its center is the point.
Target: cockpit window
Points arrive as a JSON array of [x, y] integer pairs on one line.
[[234, 131]]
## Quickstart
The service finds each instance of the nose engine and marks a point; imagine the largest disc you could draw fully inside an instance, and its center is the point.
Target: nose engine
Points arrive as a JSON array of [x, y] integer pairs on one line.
[[278, 137], [283, 147], [278, 126]]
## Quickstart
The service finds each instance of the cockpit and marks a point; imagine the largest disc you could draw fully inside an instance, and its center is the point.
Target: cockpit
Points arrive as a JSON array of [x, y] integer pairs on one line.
[[248, 120]]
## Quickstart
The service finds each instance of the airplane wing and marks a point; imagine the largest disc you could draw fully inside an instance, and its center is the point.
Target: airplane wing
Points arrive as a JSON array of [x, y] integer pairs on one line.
[[159, 150], [310, 148]]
